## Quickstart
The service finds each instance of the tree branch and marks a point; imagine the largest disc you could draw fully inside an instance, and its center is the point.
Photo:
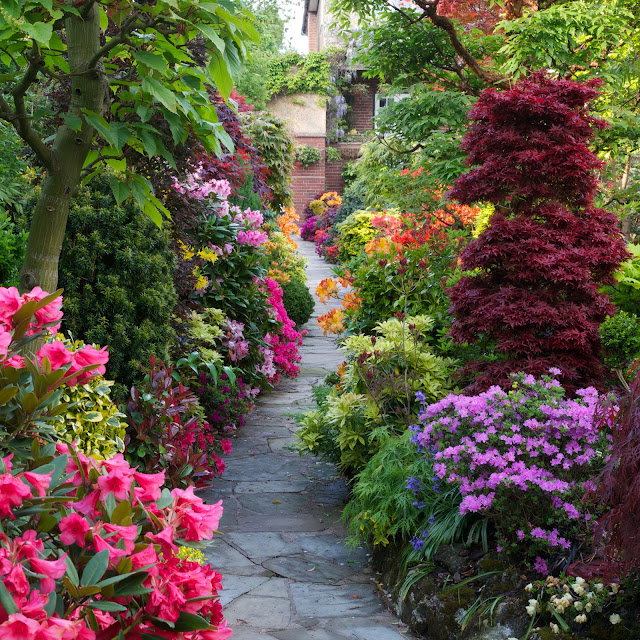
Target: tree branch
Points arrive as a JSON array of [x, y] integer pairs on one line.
[[23, 128], [87, 170], [127, 27], [430, 7], [18, 116]]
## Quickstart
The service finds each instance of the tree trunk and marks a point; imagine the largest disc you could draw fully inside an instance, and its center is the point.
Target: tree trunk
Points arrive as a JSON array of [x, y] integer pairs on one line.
[[69, 152]]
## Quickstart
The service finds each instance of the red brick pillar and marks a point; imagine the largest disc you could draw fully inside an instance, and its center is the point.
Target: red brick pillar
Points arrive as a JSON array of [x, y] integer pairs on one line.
[[307, 182]]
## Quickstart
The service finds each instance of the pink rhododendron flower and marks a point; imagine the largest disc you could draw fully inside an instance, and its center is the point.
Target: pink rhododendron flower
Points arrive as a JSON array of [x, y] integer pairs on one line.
[[51, 569], [73, 529], [5, 341], [128, 534], [221, 633], [48, 314], [56, 353], [149, 485], [19, 627], [40, 482], [10, 302], [87, 356], [165, 540], [117, 482], [12, 493]]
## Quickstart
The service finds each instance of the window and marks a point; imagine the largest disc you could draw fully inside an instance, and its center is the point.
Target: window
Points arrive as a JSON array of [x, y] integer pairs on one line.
[[383, 100]]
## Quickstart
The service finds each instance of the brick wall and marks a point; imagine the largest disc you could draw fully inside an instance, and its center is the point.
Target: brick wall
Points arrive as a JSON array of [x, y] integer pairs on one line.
[[333, 171], [307, 182], [312, 30], [362, 106]]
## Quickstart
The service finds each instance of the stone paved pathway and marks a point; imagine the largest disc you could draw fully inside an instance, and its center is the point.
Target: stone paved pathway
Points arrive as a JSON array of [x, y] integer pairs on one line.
[[287, 574]]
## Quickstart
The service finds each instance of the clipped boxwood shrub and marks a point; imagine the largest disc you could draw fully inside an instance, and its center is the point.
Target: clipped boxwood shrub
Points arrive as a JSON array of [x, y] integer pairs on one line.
[[297, 301], [116, 269]]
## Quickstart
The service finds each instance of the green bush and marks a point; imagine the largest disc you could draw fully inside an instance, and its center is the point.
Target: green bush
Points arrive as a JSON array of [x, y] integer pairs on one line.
[[92, 419], [375, 396], [356, 230], [381, 507], [306, 155], [298, 301], [12, 247], [620, 338], [625, 294], [117, 273]]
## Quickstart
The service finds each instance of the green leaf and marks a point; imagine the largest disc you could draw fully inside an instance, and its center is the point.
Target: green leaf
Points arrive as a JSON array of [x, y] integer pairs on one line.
[[104, 19], [131, 586], [73, 122], [119, 134], [220, 74], [95, 569], [72, 572], [6, 600], [190, 622], [98, 123], [210, 33], [106, 605], [160, 92], [120, 190], [7, 394], [39, 31], [152, 61], [165, 499]]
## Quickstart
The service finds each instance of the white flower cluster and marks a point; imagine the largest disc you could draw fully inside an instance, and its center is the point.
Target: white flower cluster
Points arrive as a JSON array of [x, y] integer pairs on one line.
[[588, 597]]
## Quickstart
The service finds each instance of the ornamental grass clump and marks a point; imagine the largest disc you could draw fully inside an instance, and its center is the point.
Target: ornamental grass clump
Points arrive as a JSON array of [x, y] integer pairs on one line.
[[524, 457], [538, 266]]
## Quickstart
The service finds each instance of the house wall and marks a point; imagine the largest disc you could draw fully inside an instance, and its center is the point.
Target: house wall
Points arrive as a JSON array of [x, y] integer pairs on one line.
[[307, 182], [362, 108], [312, 30]]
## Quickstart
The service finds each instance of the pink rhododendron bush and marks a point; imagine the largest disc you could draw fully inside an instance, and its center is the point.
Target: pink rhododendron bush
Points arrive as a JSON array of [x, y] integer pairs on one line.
[[526, 458], [88, 550], [27, 316], [227, 248]]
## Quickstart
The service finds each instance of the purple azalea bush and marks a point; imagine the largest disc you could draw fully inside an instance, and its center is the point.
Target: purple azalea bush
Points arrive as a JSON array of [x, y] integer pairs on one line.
[[525, 458]]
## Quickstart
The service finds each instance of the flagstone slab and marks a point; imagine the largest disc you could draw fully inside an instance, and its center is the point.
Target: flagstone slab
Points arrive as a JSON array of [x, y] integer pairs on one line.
[[274, 587], [263, 544], [330, 601], [290, 485], [268, 504], [359, 629], [263, 612], [235, 586], [308, 568]]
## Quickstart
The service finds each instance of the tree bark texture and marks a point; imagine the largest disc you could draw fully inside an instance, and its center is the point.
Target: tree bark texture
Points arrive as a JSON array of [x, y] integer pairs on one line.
[[68, 154]]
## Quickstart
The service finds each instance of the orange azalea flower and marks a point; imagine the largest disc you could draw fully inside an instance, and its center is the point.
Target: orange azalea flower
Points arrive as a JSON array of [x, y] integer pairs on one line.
[[352, 301], [377, 245], [332, 322], [328, 288], [345, 280]]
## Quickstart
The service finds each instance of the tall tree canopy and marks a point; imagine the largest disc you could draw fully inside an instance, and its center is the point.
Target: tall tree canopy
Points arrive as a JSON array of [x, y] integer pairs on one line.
[[112, 65]]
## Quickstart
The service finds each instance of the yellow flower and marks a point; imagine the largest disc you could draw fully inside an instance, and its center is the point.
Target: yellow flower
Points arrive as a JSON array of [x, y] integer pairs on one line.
[[208, 254], [187, 251], [201, 283]]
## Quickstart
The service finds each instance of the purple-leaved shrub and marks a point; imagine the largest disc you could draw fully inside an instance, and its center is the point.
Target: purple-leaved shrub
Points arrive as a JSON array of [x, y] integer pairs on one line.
[[524, 458]]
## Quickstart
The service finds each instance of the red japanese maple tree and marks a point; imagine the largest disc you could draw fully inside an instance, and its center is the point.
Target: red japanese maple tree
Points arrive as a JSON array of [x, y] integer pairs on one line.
[[535, 294]]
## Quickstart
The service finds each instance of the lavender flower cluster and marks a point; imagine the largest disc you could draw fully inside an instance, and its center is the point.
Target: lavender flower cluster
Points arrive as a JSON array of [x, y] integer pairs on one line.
[[524, 457]]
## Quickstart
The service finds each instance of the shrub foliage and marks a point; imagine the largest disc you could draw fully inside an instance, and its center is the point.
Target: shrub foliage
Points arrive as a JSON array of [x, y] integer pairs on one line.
[[538, 266]]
